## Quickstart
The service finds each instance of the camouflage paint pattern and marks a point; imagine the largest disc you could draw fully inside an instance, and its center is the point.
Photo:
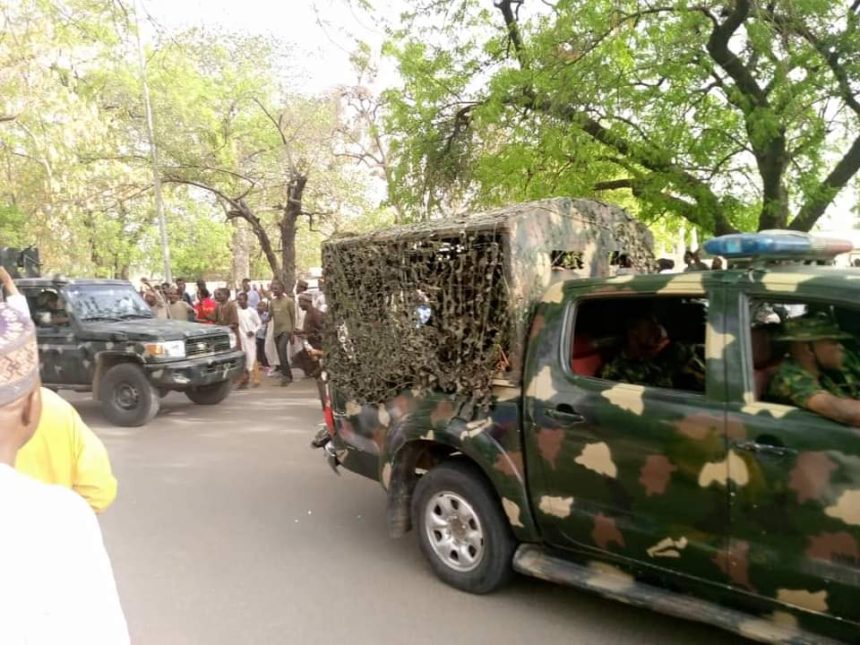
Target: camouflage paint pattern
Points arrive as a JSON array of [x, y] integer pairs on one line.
[[751, 505], [376, 441], [478, 277], [75, 355]]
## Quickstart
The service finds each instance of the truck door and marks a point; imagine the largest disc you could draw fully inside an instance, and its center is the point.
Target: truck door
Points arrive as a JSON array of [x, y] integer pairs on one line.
[[61, 357], [796, 525], [631, 470]]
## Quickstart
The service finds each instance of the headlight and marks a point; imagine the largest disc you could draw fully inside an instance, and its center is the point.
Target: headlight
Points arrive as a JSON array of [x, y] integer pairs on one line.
[[233, 341], [168, 349]]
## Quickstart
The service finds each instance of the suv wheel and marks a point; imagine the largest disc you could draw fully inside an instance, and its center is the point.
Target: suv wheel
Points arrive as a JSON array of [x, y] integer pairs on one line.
[[210, 394], [127, 397], [461, 528]]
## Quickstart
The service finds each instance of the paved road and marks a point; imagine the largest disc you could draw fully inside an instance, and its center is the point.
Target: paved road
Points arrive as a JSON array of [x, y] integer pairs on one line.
[[229, 529]]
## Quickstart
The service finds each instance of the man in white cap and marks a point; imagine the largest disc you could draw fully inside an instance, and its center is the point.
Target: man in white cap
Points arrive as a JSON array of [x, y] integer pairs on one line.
[[63, 450], [56, 582]]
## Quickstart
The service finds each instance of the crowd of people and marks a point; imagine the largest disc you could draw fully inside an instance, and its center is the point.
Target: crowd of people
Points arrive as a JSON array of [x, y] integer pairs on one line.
[[692, 262], [275, 328]]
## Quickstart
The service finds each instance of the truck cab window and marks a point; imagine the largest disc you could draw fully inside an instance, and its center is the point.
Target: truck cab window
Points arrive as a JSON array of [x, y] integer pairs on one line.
[[657, 342], [48, 308], [807, 355]]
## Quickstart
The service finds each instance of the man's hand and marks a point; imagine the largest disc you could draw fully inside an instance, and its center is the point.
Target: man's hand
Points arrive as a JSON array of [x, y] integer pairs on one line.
[[7, 282], [249, 334]]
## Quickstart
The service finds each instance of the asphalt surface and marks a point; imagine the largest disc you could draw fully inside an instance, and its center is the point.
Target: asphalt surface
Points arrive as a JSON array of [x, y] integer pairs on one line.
[[229, 529]]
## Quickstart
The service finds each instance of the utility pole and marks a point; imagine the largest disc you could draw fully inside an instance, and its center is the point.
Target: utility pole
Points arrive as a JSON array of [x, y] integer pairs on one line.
[[156, 167]]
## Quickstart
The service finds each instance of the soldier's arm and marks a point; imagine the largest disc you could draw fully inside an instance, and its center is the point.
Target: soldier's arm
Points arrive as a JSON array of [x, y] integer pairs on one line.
[[92, 477], [845, 411]]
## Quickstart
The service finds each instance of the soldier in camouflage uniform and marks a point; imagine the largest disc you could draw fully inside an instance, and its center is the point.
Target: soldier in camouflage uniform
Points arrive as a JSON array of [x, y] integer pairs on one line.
[[650, 358], [819, 374]]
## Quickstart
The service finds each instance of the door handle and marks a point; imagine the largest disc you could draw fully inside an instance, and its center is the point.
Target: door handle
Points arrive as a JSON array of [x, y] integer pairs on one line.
[[766, 449], [565, 414]]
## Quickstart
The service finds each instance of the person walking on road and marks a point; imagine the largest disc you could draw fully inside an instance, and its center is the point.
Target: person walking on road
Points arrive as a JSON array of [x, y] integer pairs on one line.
[[57, 583], [282, 312], [249, 323], [263, 312]]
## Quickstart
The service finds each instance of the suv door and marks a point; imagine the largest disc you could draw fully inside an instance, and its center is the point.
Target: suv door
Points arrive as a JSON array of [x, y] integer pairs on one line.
[[63, 360], [631, 471], [796, 527]]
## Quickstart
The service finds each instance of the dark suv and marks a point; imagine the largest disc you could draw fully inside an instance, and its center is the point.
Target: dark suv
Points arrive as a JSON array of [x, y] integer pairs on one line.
[[100, 336]]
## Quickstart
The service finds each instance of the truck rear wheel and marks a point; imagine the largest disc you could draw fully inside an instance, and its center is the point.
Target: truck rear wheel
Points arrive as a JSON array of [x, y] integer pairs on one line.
[[461, 528], [127, 397], [210, 394]]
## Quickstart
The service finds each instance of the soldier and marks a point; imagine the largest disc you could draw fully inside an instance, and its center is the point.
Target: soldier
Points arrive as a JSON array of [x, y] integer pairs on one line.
[[819, 374], [651, 358]]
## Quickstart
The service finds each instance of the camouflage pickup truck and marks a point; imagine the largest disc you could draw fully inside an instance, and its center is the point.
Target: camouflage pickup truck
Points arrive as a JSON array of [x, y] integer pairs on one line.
[[99, 336], [509, 422]]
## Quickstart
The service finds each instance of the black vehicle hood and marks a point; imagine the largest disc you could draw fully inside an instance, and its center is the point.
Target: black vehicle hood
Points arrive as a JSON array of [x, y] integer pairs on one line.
[[147, 329]]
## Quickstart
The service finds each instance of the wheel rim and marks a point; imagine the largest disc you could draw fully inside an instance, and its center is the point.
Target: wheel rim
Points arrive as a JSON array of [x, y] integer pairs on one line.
[[454, 531], [126, 396]]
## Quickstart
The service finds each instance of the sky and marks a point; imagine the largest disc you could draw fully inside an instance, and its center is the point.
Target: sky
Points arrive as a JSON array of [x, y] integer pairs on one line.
[[322, 31]]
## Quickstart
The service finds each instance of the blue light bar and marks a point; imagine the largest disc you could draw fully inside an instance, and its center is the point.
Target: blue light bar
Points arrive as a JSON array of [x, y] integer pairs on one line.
[[776, 245]]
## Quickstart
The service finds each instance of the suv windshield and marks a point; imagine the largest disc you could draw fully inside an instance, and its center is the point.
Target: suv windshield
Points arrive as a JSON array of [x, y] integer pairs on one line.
[[107, 302]]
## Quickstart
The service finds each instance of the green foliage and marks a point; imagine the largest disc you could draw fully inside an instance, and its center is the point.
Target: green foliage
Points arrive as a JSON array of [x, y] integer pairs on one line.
[[12, 227], [661, 102], [75, 156]]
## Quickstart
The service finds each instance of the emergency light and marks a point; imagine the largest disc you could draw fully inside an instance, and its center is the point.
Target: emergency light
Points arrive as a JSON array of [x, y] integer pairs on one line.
[[776, 245]]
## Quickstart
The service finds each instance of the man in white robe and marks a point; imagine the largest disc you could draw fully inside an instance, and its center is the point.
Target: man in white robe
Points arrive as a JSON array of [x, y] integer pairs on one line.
[[249, 323]]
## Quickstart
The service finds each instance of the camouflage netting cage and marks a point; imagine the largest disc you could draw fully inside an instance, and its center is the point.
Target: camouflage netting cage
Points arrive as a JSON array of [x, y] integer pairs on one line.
[[445, 305]]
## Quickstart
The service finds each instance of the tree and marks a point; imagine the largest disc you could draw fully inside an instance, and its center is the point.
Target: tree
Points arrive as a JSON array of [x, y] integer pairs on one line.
[[59, 146], [731, 115], [226, 128]]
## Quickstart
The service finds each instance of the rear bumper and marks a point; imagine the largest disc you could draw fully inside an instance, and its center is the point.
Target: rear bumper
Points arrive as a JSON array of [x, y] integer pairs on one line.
[[197, 372], [353, 458]]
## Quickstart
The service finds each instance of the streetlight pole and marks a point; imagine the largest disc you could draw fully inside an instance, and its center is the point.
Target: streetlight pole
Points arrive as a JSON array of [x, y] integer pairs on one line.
[[150, 130]]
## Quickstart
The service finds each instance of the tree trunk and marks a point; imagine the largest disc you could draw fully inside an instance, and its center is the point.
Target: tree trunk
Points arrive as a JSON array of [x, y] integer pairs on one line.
[[241, 264], [289, 226], [240, 210]]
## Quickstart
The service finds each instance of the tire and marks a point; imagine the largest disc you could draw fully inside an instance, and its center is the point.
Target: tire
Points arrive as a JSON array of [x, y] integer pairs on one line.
[[127, 397], [467, 511], [210, 394]]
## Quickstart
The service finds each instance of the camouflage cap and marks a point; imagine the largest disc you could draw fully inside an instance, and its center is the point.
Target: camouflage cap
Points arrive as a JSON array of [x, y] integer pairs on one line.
[[809, 328], [19, 358]]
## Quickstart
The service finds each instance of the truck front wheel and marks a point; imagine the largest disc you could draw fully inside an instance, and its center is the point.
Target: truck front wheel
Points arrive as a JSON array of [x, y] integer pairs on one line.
[[461, 528], [210, 394], [127, 397]]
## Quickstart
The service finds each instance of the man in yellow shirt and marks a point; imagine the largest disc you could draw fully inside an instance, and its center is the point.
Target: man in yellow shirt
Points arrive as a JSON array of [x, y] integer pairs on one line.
[[64, 451]]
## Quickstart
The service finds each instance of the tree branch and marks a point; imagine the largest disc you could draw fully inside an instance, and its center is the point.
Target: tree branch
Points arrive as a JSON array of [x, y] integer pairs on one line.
[[827, 190], [507, 9], [718, 48]]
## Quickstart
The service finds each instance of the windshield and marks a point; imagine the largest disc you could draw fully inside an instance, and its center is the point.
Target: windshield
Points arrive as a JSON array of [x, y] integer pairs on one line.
[[107, 302]]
